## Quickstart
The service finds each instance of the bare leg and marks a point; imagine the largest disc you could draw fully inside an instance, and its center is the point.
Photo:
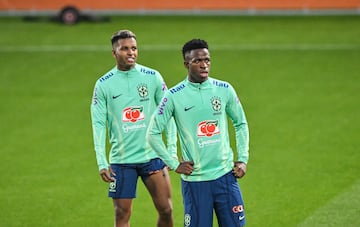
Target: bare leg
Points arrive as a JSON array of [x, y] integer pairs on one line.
[[159, 187], [122, 208]]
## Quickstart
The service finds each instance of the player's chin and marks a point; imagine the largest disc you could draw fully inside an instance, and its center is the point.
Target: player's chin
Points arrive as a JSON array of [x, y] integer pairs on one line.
[[203, 77], [130, 64]]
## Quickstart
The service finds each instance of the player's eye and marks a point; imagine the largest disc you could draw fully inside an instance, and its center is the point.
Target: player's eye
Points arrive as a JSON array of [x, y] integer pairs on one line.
[[198, 60], [127, 48]]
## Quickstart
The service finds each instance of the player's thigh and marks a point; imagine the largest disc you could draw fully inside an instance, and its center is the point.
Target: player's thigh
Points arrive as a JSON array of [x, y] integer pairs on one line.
[[198, 204], [159, 187], [229, 205], [124, 186]]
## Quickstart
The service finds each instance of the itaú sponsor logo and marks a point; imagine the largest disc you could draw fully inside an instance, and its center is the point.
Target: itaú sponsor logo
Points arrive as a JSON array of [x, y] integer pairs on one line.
[[220, 84], [208, 128], [130, 128], [178, 88], [147, 71], [133, 114], [102, 79]]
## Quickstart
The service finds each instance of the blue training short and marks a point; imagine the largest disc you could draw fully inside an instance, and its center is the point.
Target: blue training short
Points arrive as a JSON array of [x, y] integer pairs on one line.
[[222, 195], [127, 175]]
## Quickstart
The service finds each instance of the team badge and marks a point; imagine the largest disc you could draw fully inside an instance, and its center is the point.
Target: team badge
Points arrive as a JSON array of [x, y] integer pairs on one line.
[[216, 103], [143, 90], [112, 186], [187, 220]]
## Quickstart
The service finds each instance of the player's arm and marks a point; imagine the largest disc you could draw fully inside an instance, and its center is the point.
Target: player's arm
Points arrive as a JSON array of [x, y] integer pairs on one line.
[[170, 129], [236, 113], [158, 123], [98, 119], [171, 138]]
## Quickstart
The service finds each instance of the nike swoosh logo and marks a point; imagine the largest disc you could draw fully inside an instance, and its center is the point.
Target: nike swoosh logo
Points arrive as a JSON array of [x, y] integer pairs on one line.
[[188, 108], [116, 96], [241, 217]]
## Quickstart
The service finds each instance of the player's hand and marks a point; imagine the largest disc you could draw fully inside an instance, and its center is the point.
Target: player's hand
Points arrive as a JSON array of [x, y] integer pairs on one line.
[[185, 167], [105, 175], [239, 169]]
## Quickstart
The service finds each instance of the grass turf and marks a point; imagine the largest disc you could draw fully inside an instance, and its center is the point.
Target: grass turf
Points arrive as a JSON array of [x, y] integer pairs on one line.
[[297, 77]]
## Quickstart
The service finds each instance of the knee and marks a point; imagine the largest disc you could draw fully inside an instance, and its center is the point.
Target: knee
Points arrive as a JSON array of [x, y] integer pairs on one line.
[[122, 213], [166, 212]]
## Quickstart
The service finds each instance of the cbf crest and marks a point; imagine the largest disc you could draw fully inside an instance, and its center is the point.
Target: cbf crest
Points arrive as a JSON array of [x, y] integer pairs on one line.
[[143, 90], [216, 103]]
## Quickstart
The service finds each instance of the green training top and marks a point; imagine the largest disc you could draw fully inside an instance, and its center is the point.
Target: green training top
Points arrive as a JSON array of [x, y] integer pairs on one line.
[[123, 102], [200, 112]]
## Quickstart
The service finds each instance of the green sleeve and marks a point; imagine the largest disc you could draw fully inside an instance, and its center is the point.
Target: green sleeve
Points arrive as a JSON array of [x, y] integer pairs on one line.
[[236, 113], [171, 138], [98, 119], [170, 129], [160, 120]]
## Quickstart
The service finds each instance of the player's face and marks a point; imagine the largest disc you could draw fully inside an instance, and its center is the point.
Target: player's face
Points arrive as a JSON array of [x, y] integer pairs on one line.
[[198, 64], [125, 52]]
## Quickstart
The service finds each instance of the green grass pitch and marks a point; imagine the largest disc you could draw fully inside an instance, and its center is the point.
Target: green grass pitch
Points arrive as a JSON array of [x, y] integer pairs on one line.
[[298, 79]]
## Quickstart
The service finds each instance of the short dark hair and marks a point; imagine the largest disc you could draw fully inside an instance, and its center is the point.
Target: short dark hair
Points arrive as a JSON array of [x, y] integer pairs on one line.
[[194, 44], [122, 34]]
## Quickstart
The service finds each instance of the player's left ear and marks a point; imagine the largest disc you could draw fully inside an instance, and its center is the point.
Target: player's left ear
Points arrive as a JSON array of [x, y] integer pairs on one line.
[[113, 53]]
